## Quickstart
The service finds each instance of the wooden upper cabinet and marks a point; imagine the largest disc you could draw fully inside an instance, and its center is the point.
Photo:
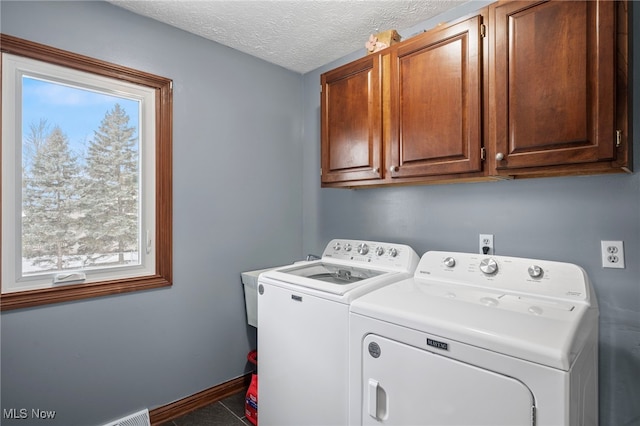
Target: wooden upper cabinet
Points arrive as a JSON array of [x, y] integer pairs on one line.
[[351, 122], [410, 113], [553, 103], [435, 121], [521, 89]]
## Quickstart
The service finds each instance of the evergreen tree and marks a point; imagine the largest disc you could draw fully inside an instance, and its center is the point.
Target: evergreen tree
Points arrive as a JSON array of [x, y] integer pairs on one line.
[[110, 190], [49, 204], [33, 141]]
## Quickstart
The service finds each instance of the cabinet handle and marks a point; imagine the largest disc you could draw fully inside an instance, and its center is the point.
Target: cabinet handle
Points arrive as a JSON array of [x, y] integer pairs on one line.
[[499, 156], [376, 170], [393, 169]]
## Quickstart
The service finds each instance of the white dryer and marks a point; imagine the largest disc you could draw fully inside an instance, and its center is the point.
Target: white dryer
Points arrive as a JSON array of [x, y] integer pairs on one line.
[[303, 330], [476, 340]]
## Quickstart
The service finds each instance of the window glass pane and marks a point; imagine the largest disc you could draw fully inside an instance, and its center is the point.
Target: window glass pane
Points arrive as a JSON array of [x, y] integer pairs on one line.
[[81, 178], [86, 177]]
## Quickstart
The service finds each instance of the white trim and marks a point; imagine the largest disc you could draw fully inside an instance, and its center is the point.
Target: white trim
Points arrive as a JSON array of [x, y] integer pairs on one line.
[[13, 69]]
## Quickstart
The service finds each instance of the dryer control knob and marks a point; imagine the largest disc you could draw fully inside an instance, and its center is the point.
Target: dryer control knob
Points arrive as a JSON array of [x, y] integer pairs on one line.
[[535, 271], [379, 251], [347, 247], [489, 266], [393, 252], [363, 249], [449, 262]]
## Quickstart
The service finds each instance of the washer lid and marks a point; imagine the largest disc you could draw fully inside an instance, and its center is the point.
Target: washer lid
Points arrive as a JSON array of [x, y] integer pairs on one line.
[[535, 329], [328, 277], [333, 273], [348, 268]]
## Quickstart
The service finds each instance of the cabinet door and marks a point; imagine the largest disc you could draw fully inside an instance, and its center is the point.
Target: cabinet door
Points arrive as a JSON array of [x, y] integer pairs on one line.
[[553, 83], [436, 102], [351, 122]]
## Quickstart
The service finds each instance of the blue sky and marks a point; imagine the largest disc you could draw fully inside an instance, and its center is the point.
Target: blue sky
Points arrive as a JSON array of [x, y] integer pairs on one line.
[[78, 112]]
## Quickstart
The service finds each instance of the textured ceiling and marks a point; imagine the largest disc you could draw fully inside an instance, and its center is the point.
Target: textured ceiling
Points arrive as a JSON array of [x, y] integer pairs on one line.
[[298, 35]]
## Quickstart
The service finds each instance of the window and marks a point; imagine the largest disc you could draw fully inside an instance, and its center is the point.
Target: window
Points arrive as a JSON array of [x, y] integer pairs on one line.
[[86, 177]]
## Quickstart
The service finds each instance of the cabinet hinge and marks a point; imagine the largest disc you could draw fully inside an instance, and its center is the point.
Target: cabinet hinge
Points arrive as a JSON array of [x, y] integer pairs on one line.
[[320, 171], [483, 30], [618, 138], [483, 153]]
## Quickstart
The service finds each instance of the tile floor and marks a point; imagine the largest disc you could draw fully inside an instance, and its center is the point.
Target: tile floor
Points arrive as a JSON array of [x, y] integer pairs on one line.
[[227, 412]]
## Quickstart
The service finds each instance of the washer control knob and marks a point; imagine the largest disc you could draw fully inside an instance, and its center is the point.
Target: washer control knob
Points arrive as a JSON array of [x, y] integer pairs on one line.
[[449, 262], [535, 271], [379, 251], [347, 247], [363, 249], [393, 252], [489, 266], [336, 246]]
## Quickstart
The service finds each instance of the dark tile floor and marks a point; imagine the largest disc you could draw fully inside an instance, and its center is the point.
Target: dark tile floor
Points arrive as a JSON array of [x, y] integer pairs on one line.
[[227, 412]]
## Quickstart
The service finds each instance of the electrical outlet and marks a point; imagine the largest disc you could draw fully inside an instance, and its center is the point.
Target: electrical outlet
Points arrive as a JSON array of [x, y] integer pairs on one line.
[[486, 244], [612, 254]]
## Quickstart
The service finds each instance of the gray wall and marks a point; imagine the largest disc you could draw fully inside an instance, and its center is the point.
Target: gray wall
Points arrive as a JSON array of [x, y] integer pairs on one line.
[[243, 178], [560, 219], [237, 207]]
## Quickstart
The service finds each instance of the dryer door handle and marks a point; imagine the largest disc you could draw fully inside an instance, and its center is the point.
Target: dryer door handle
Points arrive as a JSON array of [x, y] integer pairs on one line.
[[377, 406], [373, 398]]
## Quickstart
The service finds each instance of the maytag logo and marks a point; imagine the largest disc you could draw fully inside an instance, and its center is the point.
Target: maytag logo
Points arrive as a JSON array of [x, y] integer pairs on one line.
[[438, 345]]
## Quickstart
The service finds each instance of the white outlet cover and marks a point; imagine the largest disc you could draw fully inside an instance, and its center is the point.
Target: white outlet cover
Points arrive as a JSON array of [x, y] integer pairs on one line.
[[612, 253], [486, 240]]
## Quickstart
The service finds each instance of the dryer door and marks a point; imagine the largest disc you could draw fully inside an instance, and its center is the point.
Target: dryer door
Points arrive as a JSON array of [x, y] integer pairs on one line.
[[404, 385]]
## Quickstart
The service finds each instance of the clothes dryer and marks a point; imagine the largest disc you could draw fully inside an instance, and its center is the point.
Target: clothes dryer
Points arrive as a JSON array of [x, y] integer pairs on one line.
[[477, 340]]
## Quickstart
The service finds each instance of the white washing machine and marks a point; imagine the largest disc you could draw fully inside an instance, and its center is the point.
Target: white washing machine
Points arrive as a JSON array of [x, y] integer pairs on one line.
[[303, 331], [476, 340]]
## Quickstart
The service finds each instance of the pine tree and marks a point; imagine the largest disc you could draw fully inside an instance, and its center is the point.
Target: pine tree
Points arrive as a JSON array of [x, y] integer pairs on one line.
[[33, 141], [110, 190], [49, 204]]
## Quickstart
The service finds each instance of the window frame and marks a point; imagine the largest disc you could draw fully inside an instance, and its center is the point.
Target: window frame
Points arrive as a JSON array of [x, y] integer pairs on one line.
[[163, 88]]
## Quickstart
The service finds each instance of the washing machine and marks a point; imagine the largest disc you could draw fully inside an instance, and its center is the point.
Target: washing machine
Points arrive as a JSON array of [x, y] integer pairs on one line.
[[476, 340], [303, 330]]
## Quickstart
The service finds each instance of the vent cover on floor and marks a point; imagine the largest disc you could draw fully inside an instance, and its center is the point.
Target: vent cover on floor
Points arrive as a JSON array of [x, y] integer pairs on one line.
[[141, 418]]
